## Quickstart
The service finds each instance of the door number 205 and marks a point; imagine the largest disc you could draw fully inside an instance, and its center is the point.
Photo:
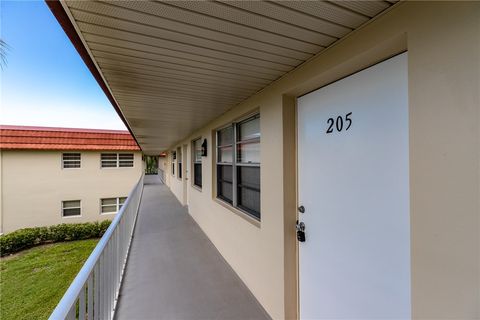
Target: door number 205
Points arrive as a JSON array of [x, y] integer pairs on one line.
[[339, 123]]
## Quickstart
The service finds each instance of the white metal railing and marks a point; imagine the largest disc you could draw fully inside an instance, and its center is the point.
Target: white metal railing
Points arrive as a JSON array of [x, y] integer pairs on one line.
[[94, 291], [161, 175]]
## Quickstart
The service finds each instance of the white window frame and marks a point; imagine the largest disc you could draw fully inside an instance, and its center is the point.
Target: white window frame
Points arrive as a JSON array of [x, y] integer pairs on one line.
[[117, 205], [117, 160], [63, 208], [132, 160], [234, 164], [196, 162], [174, 159], [71, 161]]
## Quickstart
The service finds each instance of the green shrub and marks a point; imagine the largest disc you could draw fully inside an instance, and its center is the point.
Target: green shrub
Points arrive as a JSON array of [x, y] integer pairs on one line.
[[29, 237]]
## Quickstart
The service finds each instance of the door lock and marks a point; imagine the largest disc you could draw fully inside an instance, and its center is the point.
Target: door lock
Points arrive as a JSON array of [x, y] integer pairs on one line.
[[301, 209], [300, 227]]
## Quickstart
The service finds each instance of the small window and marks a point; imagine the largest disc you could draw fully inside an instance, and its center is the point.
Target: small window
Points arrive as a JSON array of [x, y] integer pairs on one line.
[[71, 160], [109, 160], [125, 160], [71, 208], [197, 162], [117, 160], [111, 205], [238, 165], [174, 157], [179, 161]]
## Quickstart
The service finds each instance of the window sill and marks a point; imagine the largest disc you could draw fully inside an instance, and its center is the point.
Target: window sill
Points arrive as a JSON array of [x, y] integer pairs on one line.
[[71, 217], [199, 189], [242, 214]]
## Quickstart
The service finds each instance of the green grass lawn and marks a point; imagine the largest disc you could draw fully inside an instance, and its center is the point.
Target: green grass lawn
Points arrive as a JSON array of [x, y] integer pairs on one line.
[[33, 281]]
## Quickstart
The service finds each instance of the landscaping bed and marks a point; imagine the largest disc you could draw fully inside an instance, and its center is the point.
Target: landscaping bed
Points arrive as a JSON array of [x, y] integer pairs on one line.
[[29, 237]]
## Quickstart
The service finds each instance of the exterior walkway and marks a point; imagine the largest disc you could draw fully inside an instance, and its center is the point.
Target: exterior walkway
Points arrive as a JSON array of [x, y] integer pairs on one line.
[[175, 272]]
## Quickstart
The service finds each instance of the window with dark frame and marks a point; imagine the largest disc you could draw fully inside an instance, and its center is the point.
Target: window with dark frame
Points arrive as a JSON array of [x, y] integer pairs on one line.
[[179, 162], [238, 165], [71, 160], [225, 164], [197, 162], [248, 165]]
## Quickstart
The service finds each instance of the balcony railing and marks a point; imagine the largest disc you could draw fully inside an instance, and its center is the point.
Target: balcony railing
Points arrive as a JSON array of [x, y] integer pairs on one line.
[[94, 291]]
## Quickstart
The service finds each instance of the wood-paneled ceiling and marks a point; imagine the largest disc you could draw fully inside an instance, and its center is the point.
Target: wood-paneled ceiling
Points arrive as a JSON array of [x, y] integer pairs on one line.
[[174, 66]]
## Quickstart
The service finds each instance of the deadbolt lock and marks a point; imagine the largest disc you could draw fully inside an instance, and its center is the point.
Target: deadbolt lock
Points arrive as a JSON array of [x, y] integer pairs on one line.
[[300, 227]]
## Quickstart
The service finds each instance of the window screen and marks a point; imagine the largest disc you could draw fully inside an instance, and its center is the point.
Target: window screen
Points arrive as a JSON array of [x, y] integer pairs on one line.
[[248, 189], [109, 160], [117, 160], [71, 208], [238, 165], [112, 205], [225, 164], [71, 160], [179, 161], [225, 182], [197, 162], [248, 166], [109, 205], [125, 160]]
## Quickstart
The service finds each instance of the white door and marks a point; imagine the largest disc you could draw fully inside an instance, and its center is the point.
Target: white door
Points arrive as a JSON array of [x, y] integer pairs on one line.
[[354, 185]]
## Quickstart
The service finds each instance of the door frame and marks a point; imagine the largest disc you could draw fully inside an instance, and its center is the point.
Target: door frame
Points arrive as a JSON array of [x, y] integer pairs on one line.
[[290, 102]]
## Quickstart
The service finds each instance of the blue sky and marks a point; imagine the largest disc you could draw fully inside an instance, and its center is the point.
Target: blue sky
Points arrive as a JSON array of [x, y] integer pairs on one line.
[[45, 82]]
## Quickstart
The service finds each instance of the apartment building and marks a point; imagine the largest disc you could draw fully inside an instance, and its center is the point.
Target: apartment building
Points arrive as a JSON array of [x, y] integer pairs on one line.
[[62, 175], [328, 149]]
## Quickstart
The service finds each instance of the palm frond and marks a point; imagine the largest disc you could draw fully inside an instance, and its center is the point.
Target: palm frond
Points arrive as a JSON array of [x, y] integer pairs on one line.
[[3, 53]]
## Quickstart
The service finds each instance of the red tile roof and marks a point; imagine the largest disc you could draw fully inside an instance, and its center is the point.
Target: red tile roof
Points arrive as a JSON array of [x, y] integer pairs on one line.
[[46, 138]]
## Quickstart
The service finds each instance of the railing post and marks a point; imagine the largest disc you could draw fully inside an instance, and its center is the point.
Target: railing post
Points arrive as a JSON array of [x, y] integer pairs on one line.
[[90, 297], [81, 305]]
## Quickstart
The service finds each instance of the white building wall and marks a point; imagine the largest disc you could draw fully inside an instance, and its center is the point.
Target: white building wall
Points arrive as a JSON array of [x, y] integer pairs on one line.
[[34, 186]]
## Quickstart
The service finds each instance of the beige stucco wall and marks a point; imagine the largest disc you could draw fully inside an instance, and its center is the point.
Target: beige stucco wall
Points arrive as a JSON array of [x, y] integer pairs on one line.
[[443, 41], [174, 183], [1, 192], [34, 186]]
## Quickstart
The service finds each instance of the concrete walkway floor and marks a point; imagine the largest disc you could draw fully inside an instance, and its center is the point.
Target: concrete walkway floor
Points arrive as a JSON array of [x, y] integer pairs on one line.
[[174, 272]]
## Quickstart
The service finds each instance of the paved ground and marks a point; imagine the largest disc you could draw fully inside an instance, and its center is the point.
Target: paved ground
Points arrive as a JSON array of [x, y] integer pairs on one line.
[[174, 272]]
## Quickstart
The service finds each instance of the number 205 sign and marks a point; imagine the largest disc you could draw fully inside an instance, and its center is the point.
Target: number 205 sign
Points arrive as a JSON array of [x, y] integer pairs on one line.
[[340, 123]]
